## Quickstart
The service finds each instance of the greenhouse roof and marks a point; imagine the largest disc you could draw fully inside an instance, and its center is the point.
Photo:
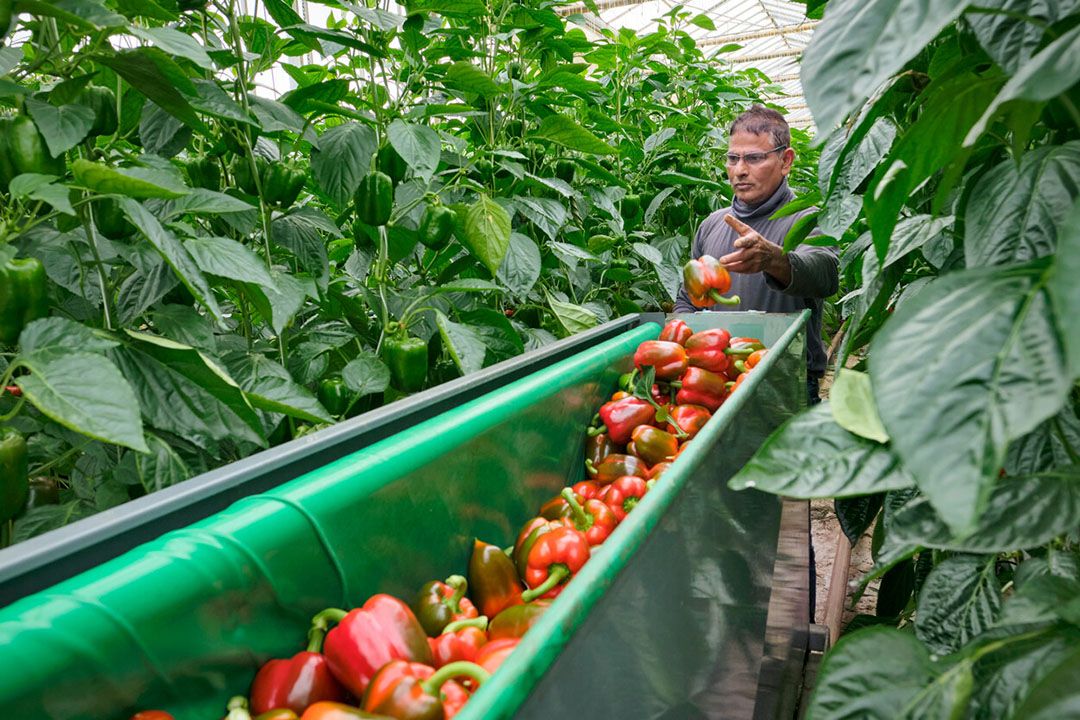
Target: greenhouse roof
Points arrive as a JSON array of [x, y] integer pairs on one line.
[[767, 34]]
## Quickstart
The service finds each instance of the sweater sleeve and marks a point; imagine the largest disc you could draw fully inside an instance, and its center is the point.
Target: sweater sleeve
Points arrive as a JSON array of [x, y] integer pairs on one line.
[[814, 272]]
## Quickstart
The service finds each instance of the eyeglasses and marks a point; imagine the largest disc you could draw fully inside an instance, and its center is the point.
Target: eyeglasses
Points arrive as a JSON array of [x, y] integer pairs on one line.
[[753, 158]]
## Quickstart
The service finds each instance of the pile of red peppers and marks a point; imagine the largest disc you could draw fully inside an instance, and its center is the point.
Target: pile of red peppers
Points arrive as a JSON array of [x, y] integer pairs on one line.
[[424, 660]]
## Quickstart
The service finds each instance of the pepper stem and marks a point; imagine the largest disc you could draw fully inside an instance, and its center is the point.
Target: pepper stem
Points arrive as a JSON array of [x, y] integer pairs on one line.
[[238, 708], [739, 352], [594, 431], [323, 620], [740, 366], [460, 585], [723, 300], [582, 520], [460, 668], [590, 468], [557, 572], [476, 622]]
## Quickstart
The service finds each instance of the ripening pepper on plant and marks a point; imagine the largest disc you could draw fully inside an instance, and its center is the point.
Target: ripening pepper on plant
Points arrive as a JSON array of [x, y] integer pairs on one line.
[[374, 198], [705, 281], [14, 481], [204, 171], [705, 349], [411, 691], [440, 603], [493, 579], [23, 296], [282, 183], [23, 150], [676, 331], [436, 226], [368, 637], [296, 682], [407, 357], [552, 560], [102, 101], [652, 444], [335, 396], [667, 358], [704, 388]]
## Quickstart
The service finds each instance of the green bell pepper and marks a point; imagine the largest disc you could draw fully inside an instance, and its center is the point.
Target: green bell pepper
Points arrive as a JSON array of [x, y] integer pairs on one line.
[[23, 296], [436, 226], [14, 484], [375, 198], [407, 358]]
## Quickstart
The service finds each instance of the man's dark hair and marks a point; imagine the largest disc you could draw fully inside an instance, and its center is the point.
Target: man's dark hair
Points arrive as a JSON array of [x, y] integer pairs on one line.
[[759, 120]]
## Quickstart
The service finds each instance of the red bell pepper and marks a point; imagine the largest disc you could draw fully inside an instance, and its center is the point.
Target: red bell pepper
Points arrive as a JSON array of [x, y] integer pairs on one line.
[[622, 495], [152, 715], [706, 350], [705, 280], [367, 638], [586, 489], [620, 417], [754, 358], [676, 331], [652, 444], [552, 561], [667, 358], [454, 696], [495, 653], [461, 640], [337, 711], [739, 381], [592, 517], [555, 509], [742, 347], [615, 466], [302, 680], [440, 603], [530, 531], [691, 418], [701, 387], [493, 579], [514, 622], [411, 691]]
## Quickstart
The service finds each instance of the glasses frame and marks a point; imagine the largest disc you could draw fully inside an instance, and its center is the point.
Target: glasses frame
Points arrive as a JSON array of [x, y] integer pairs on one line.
[[740, 157]]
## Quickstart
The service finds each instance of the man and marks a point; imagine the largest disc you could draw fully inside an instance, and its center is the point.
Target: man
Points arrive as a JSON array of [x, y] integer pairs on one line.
[[750, 245]]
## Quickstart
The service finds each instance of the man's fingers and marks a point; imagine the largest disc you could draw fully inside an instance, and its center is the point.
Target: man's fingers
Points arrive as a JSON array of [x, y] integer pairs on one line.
[[737, 225], [744, 242]]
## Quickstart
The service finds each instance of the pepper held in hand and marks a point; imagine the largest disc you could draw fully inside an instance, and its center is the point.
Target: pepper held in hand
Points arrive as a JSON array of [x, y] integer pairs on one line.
[[705, 280], [368, 637]]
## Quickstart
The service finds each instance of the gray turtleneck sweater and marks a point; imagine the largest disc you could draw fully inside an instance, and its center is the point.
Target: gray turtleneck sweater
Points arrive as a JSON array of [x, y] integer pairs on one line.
[[813, 269]]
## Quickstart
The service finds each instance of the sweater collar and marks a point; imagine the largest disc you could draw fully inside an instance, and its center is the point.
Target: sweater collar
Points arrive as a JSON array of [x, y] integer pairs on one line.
[[782, 196]]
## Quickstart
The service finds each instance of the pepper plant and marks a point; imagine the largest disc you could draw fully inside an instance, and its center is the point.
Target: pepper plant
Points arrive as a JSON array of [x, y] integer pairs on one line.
[[213, 269], [950, 174]]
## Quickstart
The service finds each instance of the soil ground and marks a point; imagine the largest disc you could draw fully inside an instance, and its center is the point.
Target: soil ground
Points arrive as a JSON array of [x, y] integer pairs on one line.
[[825, 531]]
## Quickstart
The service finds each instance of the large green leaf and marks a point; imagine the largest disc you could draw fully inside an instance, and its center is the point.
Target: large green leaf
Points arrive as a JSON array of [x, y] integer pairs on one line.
[[520, 268], [1008, 33], [545, 213], [1050, 73], [1003, 679], [172, 402], [418, 146], [269, 386], [933, 142], [227, 258], [173, 253], [960, 599], [366, 374], [1016, 212], [302, 233], [280, 303], [59, 333], [62, 127], [1021, 513], [487, 232], [980, 388], [162, 467], [562, 130], [83, 392], [1057, 695], [176, 43], [342, 159], [810, 456], [911, 234], [573, 318], [1046, 447], [872, 674], [463, 76], [151, 72], [1065, 290], [200, 370], [464, 344], [860, 44], [852, 401]]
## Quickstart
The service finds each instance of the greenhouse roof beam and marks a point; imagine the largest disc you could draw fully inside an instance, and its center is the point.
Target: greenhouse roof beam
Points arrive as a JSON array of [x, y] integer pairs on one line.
[[742, 37]]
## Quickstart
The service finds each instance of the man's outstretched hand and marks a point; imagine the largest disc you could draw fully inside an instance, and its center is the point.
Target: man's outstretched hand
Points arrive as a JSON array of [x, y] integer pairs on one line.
[[755, 254]]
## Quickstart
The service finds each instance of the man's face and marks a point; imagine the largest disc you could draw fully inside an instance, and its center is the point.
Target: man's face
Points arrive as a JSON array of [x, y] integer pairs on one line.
[[754, 182]]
